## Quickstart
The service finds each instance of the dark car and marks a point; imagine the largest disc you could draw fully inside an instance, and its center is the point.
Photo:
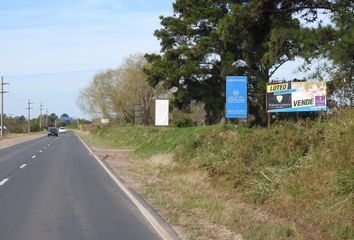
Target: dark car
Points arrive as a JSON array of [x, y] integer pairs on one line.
[[52, 131]]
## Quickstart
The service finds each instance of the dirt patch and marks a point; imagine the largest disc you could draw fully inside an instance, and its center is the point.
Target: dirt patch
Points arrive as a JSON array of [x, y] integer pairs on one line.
[[12, 139], [161, 159], [121, 164]]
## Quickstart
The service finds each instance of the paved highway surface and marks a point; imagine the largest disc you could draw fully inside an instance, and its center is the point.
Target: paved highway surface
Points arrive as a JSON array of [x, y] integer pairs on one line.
[[52, 188]]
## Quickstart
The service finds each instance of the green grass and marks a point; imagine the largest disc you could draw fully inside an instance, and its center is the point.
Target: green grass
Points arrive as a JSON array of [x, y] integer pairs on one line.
[[302, 173], [149, 141]]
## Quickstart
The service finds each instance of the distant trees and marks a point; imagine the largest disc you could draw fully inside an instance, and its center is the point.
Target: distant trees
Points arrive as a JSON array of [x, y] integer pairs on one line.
[[113, 93], [52, 117], [19, 124], [16, 124], [206, 40]]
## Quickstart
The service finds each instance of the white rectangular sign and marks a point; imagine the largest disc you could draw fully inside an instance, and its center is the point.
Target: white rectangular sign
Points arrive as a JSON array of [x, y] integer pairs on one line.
[[104, 121], [161, 112]]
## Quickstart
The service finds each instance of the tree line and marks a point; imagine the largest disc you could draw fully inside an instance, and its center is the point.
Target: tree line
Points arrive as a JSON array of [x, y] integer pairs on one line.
[[19, 124], [206, 40]]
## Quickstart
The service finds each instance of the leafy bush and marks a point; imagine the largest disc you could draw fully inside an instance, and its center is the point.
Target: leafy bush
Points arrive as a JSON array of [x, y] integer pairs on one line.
[[184, 122], [35, 127]]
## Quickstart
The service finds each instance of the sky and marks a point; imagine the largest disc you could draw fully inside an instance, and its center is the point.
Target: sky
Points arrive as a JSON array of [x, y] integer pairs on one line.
[[50, 50]]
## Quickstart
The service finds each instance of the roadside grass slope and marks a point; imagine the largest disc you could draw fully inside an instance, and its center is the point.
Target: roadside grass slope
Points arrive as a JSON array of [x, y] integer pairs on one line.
[[293, 181]]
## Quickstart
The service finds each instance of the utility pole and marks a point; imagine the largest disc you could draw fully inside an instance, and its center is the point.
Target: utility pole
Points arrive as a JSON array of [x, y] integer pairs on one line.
[[29, 115], [40, 115], [2, 92], [46, 117]]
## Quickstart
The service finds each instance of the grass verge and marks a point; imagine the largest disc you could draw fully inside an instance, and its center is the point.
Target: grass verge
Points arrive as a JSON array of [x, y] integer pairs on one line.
[[293, 181]]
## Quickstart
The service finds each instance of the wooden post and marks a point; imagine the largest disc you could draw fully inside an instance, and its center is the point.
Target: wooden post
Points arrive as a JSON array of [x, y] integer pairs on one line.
[[269, 120]]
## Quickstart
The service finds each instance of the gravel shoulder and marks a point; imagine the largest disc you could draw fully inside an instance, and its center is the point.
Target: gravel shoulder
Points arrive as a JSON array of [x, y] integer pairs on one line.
[[12, 139]]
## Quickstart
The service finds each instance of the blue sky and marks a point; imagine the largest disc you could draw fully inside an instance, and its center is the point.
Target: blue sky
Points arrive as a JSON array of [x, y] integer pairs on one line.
[[50, 50]]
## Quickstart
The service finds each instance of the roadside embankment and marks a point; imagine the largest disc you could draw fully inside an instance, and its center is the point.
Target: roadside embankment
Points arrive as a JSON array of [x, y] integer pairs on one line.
[[293, 181]]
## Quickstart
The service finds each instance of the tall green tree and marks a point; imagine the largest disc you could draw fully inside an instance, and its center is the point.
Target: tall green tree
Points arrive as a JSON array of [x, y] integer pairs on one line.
[[206, 40], [340, 50]]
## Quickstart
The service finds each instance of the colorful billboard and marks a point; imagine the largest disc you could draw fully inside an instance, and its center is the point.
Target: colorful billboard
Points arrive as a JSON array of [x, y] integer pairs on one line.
[[296, 97], [236, 97]]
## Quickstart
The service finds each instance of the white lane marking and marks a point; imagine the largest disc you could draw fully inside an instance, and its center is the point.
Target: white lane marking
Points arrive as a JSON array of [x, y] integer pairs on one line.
[[40, 151], [48, 145], [23, 165], [45, 147], [164, 234], [4, 181], [34, 156]]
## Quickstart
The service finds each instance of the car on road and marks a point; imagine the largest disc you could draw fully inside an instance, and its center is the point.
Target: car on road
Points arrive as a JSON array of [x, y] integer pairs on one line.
[[62, 130], [52, 131]]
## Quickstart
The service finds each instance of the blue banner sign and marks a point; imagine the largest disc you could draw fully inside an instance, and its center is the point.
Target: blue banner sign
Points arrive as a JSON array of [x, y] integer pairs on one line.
[[66, 119], [236, 97]]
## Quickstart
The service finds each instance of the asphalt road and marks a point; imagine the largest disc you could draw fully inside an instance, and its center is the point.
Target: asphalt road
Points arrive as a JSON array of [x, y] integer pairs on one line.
[[52, 188]]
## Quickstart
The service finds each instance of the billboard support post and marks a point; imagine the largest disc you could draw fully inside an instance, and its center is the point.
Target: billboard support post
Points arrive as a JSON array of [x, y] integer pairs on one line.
[[269, 120]]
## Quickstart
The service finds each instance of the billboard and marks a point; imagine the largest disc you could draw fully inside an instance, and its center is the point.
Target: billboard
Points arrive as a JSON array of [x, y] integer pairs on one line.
[[236, 97], [161, 112], [104, 121], [296, 97], [66, 118]]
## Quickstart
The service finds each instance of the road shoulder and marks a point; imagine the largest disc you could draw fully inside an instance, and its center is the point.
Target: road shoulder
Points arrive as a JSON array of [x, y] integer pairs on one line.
[[157, 222], [13, 139]]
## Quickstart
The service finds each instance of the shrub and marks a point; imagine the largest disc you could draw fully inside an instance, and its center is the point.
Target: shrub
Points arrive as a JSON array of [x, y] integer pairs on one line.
[[184, 122]]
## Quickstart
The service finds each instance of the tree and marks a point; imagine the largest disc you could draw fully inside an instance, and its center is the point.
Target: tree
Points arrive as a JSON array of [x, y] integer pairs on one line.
[[96, 99], [133, 89], [340, 50], [193, 55], [113, 93], [52, 118], [206, 40]]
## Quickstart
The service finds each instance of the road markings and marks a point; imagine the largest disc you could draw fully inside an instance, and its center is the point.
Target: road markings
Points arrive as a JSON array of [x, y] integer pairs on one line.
[[40, 151], [164, 234], [23, 165], [4, 181], [45, 147], [34, 156]]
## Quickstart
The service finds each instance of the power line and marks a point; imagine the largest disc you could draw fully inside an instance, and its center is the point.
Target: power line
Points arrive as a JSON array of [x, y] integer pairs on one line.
[[2, 92], [16, 104]]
